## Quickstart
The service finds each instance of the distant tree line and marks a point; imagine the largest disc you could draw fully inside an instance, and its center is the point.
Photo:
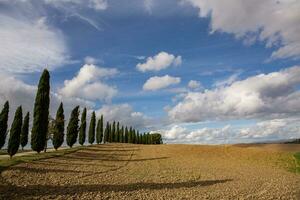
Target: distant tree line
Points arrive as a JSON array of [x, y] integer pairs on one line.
[[45, 127]]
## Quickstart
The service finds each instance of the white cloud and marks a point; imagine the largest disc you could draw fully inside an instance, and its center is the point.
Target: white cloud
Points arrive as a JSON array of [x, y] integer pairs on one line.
[[194, 84], [125, 114], [270, 95], [91, 60], [275, 22], [30, 46], [87, 84], [160, 61], [160, 82], [269, 130], [231, 79], [94, 4], [19, 93]]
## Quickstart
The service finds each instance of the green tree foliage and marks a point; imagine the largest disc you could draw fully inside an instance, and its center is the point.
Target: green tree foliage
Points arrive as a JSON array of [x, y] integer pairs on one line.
[[99, 135], [25, 131], [113, 131], [82, 129], [126, 135], [138, 138], [73, 126], [121, 139], [106, 134], [59, 127], [117, 134], [3, 123], [15, 132], [92, 128], [156, 138], [41, 113]]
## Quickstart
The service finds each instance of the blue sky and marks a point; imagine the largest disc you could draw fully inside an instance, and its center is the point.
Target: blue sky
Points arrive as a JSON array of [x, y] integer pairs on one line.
[[241, 58]]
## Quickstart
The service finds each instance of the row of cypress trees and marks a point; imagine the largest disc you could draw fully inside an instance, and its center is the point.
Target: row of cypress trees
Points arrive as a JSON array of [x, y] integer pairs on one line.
[[42, 129]]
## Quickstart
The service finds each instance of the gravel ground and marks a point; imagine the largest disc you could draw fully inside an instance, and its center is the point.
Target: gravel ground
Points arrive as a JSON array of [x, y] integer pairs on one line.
[[122, 171]]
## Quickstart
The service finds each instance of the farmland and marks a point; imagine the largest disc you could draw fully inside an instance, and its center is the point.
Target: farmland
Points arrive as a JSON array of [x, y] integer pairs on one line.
[[128, 171]]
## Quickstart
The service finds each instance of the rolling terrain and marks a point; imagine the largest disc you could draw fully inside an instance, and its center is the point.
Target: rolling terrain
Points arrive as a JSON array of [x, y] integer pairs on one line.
[[124, 171]]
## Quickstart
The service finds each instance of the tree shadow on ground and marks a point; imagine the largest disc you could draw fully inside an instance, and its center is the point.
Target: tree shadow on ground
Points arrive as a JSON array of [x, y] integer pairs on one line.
[[9, 191]]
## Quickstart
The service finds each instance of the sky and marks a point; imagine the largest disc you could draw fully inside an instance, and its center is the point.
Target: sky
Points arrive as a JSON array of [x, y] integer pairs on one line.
[[196, 71]]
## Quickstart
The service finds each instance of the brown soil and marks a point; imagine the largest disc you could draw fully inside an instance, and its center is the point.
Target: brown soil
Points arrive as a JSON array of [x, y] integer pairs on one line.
[[120, 171]]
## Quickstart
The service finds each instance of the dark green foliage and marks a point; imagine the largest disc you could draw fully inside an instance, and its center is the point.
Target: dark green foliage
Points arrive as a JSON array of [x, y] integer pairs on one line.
[[117, 134], [109, 133], [82, 129], [156, 138], [138, 138], [15, 133], [3, 123], [99, 133], [126, 135], [113, 131], [59, 127], [92, 128], [106, 134], [73, 126], [121, 139], [41, 113], [25, 131]]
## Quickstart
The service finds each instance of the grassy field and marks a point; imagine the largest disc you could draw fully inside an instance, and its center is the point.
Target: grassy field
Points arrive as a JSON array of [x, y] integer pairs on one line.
[[124, 171]]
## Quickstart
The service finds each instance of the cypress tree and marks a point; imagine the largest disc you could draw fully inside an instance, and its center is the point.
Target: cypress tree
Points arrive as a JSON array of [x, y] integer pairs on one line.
[[126, 135], [110, 133], [106, 134], [73, 126], [99, 133], [82, 129], [121, 138], [41, 113], [25, 131], [59, 127], [113, 131], [117, 135], [92, 128], [137, 138], [3, 123], [15, 132]]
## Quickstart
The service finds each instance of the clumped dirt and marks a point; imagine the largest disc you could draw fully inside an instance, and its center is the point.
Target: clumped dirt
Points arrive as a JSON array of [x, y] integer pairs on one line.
[[122, 171]]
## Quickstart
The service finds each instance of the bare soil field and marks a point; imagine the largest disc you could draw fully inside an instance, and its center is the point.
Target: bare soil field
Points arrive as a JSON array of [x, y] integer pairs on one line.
[[124, 171]]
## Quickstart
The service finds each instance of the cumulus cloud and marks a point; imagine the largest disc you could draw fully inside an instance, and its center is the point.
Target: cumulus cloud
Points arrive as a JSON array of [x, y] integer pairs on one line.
[[160, 82], [29, 46], [87, 84], [270, 95], [125, 114], [275, 22], [268, 130], [194, 84], [19, 93], [158, 62]]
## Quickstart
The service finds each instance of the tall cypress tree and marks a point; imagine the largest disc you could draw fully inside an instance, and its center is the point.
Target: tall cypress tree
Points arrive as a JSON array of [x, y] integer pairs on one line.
[[106, 134], [3, 123], [113, 131], [92, 128], [99, 133], [59, 127], [15, 133], [109, 133], [41, 113], [25, 131], [73, 126], [82, 129], [122, 134], [117, 135], [126, 135]]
